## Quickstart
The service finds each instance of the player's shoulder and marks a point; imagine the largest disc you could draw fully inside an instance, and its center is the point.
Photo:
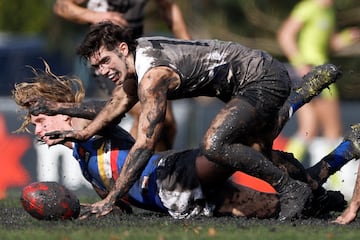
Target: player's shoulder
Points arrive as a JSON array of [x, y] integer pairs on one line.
[[158, 42]]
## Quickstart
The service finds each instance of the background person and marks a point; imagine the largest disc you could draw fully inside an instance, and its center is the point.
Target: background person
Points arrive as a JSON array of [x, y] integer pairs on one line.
[[307, 38], [126, 13], [169, 183]]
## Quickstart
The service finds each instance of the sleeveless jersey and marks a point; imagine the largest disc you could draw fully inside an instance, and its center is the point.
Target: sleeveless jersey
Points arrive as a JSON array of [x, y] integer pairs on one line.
[[206, 67], [101, 161]]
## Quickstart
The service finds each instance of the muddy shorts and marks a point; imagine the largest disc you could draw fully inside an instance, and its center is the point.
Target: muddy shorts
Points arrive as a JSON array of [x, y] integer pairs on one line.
[[179, 187], [270, 91]]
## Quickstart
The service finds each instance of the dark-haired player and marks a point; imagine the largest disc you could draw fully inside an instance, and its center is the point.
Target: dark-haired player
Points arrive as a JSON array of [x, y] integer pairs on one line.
[[152, 70]]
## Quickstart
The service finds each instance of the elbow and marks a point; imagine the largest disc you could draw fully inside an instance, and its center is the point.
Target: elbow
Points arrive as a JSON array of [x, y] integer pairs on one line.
[[61, 8], [57, 9]]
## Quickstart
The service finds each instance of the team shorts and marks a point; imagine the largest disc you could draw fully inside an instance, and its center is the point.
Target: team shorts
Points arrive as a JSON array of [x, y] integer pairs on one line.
[[270, 91]]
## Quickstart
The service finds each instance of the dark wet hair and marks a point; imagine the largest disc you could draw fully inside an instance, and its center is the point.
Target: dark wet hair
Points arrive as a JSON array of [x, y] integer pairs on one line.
[[105, 34]]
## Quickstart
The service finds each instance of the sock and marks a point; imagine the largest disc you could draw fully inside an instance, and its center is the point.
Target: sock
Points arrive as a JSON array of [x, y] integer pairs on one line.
[[340, 156], [332, 162], [294, 107]]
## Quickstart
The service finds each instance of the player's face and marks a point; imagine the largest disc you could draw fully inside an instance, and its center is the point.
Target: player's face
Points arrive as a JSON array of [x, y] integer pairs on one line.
[[111, 64], [44, 124]]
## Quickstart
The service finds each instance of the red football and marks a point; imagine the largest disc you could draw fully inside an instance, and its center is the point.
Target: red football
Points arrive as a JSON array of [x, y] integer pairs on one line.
[[50, 201]]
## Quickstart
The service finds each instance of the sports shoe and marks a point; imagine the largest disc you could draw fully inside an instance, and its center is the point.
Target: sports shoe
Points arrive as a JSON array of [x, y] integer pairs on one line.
[[354, 137], [319, 78], [294, 198]]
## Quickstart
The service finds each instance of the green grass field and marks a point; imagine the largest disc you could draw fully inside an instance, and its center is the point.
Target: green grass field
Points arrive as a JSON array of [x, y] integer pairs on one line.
[[15, 223]]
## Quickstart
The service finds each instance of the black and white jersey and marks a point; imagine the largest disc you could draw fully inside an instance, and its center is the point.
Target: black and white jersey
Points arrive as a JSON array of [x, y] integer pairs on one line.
[[206, 67]]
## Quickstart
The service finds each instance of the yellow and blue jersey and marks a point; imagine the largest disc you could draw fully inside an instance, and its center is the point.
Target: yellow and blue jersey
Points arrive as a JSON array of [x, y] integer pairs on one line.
[[101, 161]]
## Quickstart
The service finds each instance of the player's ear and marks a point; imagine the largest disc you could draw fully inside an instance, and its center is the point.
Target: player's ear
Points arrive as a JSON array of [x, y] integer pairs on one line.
[[124, 48]]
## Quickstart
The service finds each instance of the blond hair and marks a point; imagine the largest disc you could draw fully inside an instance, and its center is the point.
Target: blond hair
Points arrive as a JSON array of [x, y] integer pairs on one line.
[[46, 86]]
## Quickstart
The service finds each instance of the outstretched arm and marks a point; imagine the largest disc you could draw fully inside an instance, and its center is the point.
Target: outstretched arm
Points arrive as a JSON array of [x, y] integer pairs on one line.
[[87, 109], [153, 90], [114, 110], [120, 103]]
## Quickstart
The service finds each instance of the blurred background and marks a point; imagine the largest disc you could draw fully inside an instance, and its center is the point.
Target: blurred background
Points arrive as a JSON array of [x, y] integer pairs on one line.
[[30, 31]]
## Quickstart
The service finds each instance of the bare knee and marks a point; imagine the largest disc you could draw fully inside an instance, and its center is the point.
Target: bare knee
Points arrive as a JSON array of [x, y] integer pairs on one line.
[[211, 148]]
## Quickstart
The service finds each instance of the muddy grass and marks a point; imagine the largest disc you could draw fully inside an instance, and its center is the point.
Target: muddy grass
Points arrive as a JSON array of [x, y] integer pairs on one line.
[[15, 223], [13, 219], [16, 218]]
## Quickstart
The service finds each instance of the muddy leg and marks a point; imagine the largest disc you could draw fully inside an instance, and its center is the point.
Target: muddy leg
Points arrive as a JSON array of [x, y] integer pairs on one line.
[[240, 139]]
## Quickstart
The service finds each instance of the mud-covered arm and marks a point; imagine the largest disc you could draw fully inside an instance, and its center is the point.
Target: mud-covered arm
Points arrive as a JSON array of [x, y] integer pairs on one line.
[[121, 203], [115, 108], [153, 90], [87, 109], [123, 99]]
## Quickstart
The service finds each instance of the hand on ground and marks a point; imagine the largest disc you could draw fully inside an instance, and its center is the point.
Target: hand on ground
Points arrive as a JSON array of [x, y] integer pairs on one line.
[[98, 209], [346, 217]]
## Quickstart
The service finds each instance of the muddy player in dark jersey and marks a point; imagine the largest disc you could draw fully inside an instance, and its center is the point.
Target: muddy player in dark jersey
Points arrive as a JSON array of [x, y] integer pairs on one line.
[[169, 182], [253, 84], [130, 14]]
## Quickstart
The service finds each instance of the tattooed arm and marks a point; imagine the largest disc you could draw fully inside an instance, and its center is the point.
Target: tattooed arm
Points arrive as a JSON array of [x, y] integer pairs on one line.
[[153, 90]]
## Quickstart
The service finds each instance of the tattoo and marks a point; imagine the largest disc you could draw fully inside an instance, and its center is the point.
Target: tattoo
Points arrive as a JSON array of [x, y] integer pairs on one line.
[[155, 117], [159, 104], [133, 168]]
